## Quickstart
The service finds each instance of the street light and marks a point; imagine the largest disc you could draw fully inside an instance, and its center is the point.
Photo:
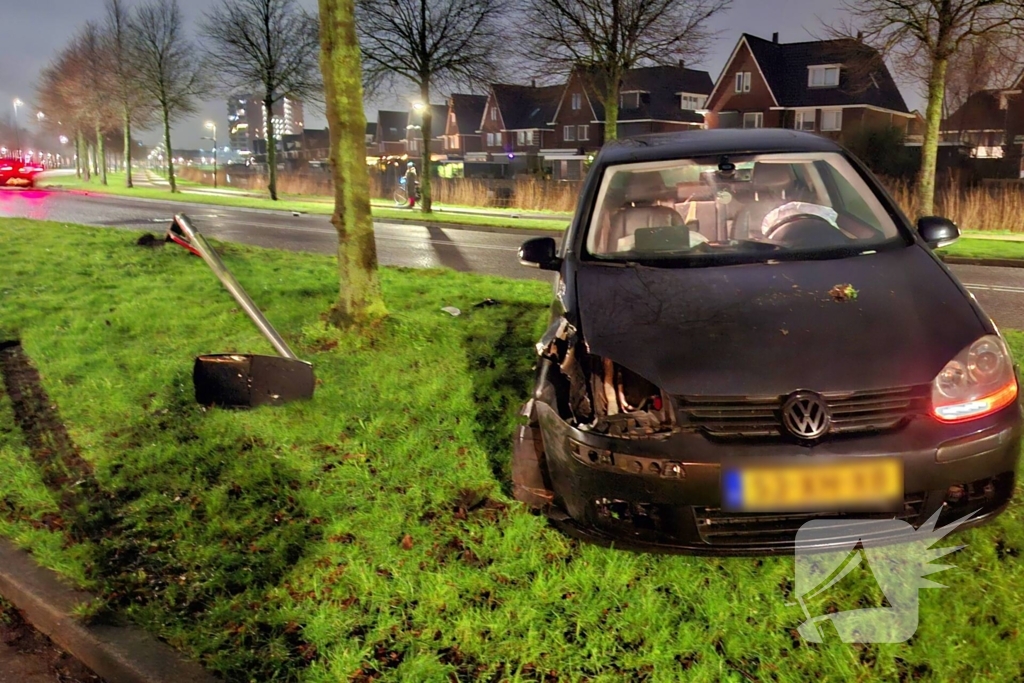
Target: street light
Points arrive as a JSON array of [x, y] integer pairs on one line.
[[418, 106], [17, 132], [210, 125], [40, 116]]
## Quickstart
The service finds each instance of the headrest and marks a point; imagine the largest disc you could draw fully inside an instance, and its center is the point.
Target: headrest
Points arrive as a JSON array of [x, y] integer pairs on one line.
[[647, 187], [772, 176]]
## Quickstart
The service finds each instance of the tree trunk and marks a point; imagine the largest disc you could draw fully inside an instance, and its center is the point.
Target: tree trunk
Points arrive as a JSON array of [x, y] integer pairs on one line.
[[167, 146], [95, 161], [268, 108], [128, 148], [426, 126], [360, 301], [611, 109], [101, 155], [78, 154], [930, 146]]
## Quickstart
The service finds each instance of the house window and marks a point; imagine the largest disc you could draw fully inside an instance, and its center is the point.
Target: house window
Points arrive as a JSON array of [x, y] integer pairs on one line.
[[742, 81], [524, 137], [691, 102], [492, 139], [583, 133], [629, 100], [455, 142], [577, 101], [823, 76], [569, 133], [413, 145], [494, 114], [804, 120], [753, 119], [831, 119]]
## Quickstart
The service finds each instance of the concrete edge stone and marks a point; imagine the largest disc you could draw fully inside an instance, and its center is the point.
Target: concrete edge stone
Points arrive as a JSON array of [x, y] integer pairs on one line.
[[118, 654]]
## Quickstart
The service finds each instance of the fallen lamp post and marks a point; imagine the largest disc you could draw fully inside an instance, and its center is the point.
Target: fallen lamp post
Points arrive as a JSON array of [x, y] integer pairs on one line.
[[242, 380]]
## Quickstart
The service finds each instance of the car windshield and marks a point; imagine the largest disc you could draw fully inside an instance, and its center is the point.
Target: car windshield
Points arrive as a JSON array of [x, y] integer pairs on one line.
[[752, 206]]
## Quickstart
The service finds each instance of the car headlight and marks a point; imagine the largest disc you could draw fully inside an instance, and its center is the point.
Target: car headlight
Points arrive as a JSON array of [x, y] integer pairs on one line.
[[978, 382]]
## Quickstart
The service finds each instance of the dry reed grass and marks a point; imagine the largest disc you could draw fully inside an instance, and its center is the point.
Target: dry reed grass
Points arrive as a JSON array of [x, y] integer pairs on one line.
[[990, 207]]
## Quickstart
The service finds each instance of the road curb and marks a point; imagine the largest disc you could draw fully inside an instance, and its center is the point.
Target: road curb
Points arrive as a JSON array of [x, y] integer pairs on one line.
[[119, 654], [989, 262]]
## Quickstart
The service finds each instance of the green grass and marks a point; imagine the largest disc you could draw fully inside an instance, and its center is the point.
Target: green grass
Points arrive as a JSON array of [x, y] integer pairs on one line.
[[330, 540], [968, 247], [306, 205]]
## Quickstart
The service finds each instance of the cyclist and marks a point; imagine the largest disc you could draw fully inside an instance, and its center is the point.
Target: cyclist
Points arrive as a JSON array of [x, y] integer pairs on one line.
[[412, 186]]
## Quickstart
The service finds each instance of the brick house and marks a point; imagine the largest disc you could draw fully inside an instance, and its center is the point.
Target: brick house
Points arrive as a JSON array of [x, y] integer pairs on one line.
[[414, 134], [831, 87], [391, 131], [657, 99], [989, 125], [462, 126], [516, 124]]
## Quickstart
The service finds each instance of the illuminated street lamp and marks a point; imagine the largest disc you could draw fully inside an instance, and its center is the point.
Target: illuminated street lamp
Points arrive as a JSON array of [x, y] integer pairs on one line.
[[418, 106], [40, 116], [210, 125], [17, 132]]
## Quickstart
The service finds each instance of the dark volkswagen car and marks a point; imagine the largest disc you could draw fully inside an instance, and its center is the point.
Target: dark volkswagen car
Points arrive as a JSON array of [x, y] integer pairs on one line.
[[748, 334]]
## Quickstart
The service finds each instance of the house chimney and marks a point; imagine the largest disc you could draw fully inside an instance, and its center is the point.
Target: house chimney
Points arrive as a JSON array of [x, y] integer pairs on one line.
[[775, 37], [681, 64], [533, 83]]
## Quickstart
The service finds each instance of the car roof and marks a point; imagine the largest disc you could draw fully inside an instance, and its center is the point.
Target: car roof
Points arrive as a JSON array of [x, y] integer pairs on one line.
[[698, 143]]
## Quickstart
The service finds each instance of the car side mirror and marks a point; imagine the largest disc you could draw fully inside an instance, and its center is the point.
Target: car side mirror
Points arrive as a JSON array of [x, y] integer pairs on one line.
[[539, 252], [937, 231]]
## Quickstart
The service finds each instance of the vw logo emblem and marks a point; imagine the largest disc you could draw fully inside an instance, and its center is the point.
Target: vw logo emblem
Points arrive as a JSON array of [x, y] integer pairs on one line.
[[805, 415]]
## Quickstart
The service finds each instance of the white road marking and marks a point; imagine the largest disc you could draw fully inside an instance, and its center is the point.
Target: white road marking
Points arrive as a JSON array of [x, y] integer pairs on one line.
[[1009, 289]]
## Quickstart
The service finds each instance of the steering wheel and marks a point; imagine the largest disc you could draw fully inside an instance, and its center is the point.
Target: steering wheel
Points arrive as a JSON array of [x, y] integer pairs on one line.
[[805, 229]]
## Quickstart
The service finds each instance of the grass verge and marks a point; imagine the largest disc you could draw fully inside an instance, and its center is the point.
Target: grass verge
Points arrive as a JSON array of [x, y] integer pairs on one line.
[[367, 535], [967, 247], [116, 187]]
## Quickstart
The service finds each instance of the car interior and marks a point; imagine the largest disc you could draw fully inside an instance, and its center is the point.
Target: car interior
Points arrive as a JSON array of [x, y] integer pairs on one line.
[[789, 203]]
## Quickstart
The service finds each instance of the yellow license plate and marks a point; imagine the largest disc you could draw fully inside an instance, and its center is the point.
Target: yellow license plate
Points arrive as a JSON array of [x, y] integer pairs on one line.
[[833, 486]]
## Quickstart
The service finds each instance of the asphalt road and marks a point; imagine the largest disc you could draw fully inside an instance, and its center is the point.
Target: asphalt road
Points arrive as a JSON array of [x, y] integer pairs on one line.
[[999, 290]]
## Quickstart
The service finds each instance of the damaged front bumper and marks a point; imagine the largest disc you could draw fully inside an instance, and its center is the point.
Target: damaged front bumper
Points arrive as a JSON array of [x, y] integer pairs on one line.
[[664, 491]]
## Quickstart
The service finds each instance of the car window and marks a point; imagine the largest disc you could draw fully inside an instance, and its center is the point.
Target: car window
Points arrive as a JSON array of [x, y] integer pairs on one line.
[[751, 205]]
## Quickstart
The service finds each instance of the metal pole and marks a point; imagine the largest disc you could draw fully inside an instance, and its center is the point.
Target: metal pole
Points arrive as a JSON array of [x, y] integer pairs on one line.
[[209, 255], [215, 156]]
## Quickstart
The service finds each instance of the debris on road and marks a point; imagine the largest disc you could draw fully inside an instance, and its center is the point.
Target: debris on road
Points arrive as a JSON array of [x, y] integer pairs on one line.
[[842, 293]]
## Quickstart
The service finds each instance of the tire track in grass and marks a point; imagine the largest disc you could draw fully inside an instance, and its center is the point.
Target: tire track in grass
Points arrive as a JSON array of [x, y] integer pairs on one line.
[[85, 507]]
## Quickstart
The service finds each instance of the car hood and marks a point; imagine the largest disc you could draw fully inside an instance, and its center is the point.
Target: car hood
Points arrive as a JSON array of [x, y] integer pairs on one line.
[[773, 328]]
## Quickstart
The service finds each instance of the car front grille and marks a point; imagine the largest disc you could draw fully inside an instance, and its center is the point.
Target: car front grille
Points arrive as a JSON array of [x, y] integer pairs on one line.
[[719, 527], [851, 412]]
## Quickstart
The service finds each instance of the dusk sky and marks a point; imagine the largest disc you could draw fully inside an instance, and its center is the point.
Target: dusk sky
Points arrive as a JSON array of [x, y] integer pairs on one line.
[[32, 31]]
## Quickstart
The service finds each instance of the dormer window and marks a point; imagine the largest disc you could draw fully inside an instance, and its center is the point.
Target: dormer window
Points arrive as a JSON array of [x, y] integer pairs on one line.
[[823, 76], [691, 102]]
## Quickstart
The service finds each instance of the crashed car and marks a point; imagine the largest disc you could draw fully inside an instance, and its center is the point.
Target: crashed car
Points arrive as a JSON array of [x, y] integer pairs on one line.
[[748, 334], [18, 172]]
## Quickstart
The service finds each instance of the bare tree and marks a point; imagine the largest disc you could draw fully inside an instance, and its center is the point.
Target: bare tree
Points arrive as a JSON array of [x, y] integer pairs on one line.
[[930, 33], [988, 62], [360, 301], [267, 46], [57, 96], [606, 38], [124, 83], [430, 44], [170, 78], [97, 89]]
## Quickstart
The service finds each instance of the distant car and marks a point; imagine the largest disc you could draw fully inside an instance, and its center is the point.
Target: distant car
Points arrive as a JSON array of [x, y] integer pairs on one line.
[[748, 335], [18, 172]]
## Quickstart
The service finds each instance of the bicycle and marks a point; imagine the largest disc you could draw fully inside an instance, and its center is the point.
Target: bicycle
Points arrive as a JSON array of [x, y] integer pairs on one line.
[[401, 196]]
